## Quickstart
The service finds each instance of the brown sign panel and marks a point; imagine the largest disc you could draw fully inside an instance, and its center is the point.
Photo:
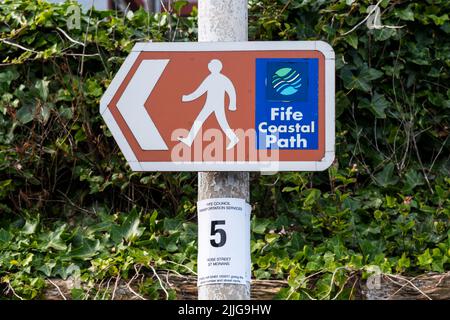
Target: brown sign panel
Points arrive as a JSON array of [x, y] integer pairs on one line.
[[251, 106]]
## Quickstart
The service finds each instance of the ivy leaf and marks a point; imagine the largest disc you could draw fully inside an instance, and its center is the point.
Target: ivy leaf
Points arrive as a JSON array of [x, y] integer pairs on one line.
[[370, 248], [352, 39], [169, 243], [65, 271], [413, 179], [297, 242], [405, 14], [30, 226], [26, 113], [271, 237], [377, 105], [42, 88], [386, 177], [425, 259], [53, 239], [259, 226], [342, 103], [178, 5], [290, 189], [323, 285], [47, 268], [5, 238], [312, 196], [384, 34], [153, 221], [129, 230], [403, 263], [363, 80], [6, 77], [4, 184], [172, 225], [66, 113], [439, 21], [86, 250], [419, 54], [77, 294], [93, 88], [189, 232]]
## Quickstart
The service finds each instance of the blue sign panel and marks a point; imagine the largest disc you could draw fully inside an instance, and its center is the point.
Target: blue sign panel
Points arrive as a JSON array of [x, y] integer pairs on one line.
[[287, 104]]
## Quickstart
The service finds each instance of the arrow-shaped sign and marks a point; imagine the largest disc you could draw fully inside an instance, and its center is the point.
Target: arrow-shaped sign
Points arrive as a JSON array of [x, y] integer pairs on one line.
[[131, 104], [168, 76]]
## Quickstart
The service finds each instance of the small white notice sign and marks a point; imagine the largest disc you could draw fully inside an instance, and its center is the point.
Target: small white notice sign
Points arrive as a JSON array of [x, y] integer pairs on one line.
[[224, 241]]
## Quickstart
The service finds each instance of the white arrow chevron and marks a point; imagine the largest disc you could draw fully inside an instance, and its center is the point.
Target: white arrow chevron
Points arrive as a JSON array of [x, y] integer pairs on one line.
[[131, 104]]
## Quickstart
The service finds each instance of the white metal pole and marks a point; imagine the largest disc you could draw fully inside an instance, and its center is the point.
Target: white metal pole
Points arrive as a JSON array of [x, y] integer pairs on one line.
[[223, 20]]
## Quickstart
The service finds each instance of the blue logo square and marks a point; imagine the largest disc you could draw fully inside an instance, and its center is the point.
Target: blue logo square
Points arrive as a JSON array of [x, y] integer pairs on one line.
[[287, 103], [287, 81]]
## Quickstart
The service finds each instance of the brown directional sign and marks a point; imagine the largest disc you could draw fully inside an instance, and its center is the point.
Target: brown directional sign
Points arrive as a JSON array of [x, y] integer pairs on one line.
[[238, 106]]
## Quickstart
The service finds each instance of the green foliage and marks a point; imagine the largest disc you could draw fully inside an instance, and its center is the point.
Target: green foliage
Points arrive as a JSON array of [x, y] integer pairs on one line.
[[71, 207], [94, 248]]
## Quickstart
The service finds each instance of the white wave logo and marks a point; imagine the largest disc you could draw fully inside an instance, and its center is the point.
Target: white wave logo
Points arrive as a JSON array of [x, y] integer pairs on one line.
[[286, 81]]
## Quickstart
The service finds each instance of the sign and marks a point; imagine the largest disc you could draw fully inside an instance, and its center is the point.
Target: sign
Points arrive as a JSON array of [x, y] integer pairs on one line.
[[287, 100], [224, 241], [224, 106]]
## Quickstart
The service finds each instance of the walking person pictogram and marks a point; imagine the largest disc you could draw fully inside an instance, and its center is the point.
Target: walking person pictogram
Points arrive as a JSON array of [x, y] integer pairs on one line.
[[215, 85]]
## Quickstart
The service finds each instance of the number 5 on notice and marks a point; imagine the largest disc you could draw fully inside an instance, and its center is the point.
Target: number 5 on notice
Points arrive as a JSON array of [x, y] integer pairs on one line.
[[221, 232]]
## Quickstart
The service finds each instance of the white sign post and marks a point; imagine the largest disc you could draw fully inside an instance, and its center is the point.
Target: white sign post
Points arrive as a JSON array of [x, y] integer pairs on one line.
[[224, 20]]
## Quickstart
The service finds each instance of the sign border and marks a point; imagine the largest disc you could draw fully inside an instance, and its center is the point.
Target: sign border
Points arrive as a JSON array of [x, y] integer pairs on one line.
[[262, 166]]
